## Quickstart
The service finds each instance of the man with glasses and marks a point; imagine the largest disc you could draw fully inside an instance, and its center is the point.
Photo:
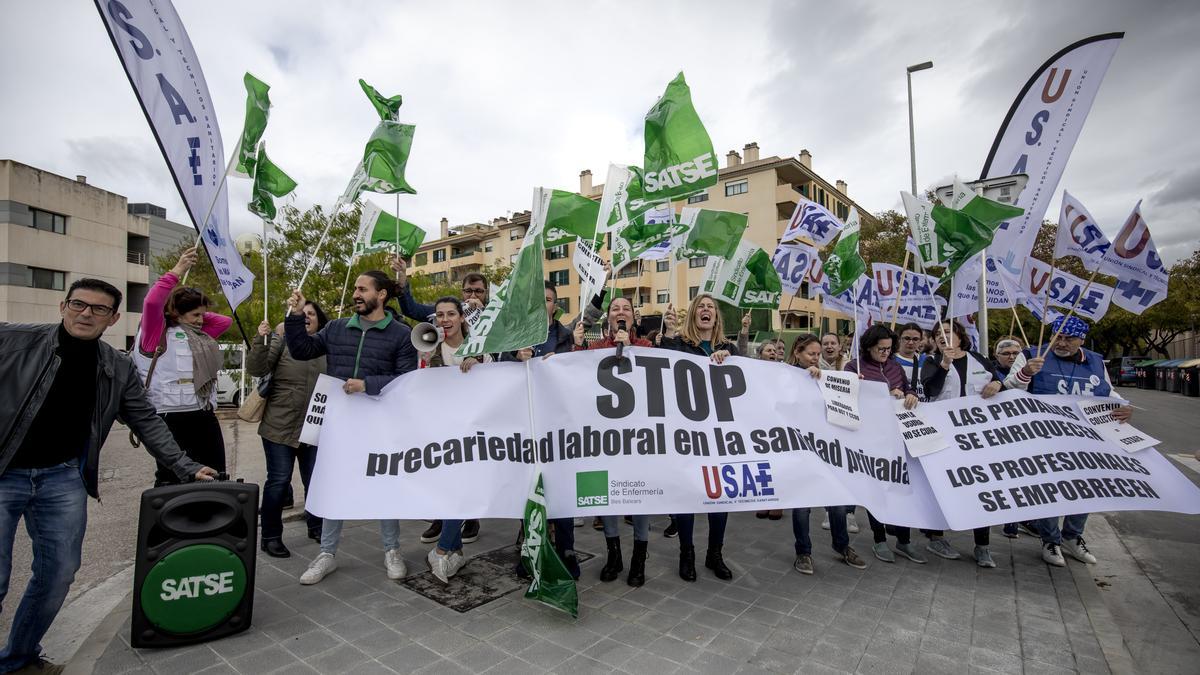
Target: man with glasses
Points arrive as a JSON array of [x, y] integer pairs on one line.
[[1070, 370], [62, 388], [1008, 348]]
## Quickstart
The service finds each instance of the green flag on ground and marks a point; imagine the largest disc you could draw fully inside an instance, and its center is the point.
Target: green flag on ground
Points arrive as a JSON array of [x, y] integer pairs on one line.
[[388, 108], [709, 233], [570, 216], [385, 157], [269, 181], [844, 265], [679, 156], [551, 584], [966, 226], [515, 316], [379, 230], [746, 279], [258, 107]]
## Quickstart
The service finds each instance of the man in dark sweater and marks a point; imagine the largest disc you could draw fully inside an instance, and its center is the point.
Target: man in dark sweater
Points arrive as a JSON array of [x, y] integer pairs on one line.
[[61, 388]]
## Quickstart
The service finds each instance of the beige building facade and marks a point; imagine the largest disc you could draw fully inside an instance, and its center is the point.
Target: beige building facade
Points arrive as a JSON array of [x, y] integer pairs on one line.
[[54, 230], [766, 189]]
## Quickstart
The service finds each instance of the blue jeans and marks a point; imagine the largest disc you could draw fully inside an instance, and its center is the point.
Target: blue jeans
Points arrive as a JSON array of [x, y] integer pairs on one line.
[[280, 459], [1072, 528], [685, 522], [54, 504], [451, 537], [331, 535], [837, 529], [641, 527]]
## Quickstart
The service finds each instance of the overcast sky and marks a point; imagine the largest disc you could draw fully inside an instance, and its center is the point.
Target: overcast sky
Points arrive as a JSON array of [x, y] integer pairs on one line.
[[507, 95]]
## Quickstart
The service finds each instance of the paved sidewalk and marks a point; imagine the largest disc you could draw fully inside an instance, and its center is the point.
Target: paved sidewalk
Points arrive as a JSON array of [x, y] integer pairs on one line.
[[943, 617]]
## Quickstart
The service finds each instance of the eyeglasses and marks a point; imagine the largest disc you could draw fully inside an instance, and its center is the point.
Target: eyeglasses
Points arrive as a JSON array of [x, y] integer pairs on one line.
[[909, 338], [78, 306], [474, 291], [1012, 354], [881, 349]]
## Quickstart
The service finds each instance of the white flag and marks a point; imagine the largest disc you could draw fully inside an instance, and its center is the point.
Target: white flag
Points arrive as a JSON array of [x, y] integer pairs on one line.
[[1133, 260], [1078, 234]]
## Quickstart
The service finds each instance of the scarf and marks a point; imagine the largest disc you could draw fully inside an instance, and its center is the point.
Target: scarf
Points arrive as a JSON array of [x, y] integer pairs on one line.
[[206, 361]]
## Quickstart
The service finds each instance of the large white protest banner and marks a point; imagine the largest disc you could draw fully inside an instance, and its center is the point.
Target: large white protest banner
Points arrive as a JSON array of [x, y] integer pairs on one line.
[[165, 74], [1017, 457]]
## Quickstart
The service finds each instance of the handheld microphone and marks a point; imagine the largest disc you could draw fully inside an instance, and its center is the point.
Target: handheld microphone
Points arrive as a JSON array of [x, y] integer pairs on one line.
[[620, 345]]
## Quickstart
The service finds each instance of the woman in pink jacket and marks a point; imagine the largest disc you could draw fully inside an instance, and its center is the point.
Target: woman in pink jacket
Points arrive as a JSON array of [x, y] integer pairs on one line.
[[178, 359]]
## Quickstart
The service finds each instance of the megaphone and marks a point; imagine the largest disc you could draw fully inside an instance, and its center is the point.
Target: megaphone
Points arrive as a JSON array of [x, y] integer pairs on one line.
[[426, 336]]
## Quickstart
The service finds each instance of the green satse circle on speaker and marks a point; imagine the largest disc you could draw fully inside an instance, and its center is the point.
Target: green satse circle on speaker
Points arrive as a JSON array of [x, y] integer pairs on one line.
[[193, 589]]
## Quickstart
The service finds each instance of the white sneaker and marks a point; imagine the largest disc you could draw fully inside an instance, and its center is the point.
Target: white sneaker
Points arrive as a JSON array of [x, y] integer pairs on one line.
[[1051, 555], [851, 523], [320, 567], [579, 522], [394, 562], [825, 521], [1078, 550], [445, 565]]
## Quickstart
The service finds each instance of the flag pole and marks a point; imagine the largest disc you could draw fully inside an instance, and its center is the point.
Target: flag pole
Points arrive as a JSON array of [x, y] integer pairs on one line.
[[1069, 314], [820, 315], [779, 333], [320, 242], [213, 203], [265, 291], [1012, 306], [1046, 304], [345, 283], [900, 289]]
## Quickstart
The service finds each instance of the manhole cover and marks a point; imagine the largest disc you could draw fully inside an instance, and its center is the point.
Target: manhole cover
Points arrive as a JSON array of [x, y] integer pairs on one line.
[[484, 578]]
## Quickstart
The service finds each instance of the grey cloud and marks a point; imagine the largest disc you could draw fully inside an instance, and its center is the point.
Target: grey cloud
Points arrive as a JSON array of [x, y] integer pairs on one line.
[[1183, 187]]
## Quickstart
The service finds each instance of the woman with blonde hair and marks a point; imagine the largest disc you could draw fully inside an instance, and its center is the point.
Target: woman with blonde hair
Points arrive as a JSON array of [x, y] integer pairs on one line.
[[703, 333]]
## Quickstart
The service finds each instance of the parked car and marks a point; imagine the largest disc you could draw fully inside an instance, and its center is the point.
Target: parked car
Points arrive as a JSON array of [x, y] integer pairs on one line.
[[231, 386], [1121, 369]]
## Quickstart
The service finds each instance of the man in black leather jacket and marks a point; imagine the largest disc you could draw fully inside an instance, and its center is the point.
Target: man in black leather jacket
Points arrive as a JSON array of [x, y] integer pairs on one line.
[[61, 388]]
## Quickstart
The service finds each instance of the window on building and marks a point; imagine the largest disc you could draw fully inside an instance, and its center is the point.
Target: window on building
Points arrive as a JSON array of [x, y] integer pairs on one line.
[[843, 211], [803, 189], [487, 247], [439, 255], [556, 252], [643, 299], [696, 199], [628, 271], [564, 304], [420, 259], [50, 222], [516, 233], [698, 262], [48, 279], [560, 277], [663, 296], [821, 196], [739, 187], [662, 265], [693, 291], [438, 278]]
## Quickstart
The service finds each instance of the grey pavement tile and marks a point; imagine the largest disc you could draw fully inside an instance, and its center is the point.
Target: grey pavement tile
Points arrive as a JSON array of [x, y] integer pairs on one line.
[[693, 633], [408, 658], [814, 668], [994, 660], [292, 626], [354, 627], [776, 604], [836, 656], [774, 660], [611, 653], [418, 626], [754, 632], [512, 640], [1039, 668], [859, 598], [733, 647], [802, 626], [583, 665], [117, 658], [219, 669], [264, 660], [624, 609], [792, 643], [995, 641], [599, 622], [634, 636], [660, 622], [896, 638], [570, 636], [447, 641], [953, 632], [754, 669], [864, 613], [645, 662], [944, 647], [545, 654], [1052, 654], [188, 661], [1092, 666], [444, 667], [711, 618], [370, 668], [1007, 629], [762, 615], [311, 643], [902, 619], [670, 648], [337, 660], [711, 663], [884, 664], [478, 658], [383, 641], [727, 605], [319, 606], [937, 664], [514, 666], [1043, 625], [483, 626]]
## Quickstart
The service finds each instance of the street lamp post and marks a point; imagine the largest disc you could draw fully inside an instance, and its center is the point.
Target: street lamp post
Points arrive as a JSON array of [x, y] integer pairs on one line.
[[912, 139]]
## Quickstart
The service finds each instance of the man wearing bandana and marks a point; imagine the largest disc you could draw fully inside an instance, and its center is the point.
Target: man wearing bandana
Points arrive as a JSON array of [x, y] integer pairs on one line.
[[1066, 369]]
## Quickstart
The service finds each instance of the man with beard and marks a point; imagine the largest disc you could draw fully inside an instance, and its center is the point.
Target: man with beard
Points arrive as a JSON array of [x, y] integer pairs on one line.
[[367, 350]]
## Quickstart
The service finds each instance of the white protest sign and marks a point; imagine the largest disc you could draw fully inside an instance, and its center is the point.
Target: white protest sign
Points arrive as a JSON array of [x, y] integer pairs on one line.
[[920, 437], [840, 391], [590, 267], [1098, 411], [314, 414]]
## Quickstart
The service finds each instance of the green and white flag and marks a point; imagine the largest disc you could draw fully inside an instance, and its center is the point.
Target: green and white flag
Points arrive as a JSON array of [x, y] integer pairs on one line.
[[258, 107], [551, 583], [379, 230], [747, 279], [966, 226], [922, 227], [653, 227], [844, 265], [388, 108], [708, 232], [269, 181], [384, 160], [515, 316], [570, 216], [679, 157]]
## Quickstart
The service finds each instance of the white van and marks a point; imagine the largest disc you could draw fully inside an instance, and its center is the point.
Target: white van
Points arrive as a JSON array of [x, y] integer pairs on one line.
[[233, 383]]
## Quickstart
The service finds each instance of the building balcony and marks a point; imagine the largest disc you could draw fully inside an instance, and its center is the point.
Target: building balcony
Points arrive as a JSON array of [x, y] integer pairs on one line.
[[465, 258], [785, 194], [135, 257]]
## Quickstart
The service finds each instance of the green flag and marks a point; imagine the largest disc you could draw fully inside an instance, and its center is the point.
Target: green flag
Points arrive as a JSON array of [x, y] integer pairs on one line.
[[388, 108], [552, 583], [643, 232], [379, 230], [570, 216], [515, 316], [709, 233], [258, 106], [269, 181], [385, 157], [746, 279], [844, 265], [966, 226], [679, 156]]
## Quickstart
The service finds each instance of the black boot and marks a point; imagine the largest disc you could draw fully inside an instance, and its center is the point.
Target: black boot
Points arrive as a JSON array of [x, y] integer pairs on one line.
[[613, 566], [275, 548], [716, 563], [637, 564], [687, 563]]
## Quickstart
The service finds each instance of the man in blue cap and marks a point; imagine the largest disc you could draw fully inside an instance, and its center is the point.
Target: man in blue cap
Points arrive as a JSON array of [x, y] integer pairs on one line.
[[1066, 369]]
